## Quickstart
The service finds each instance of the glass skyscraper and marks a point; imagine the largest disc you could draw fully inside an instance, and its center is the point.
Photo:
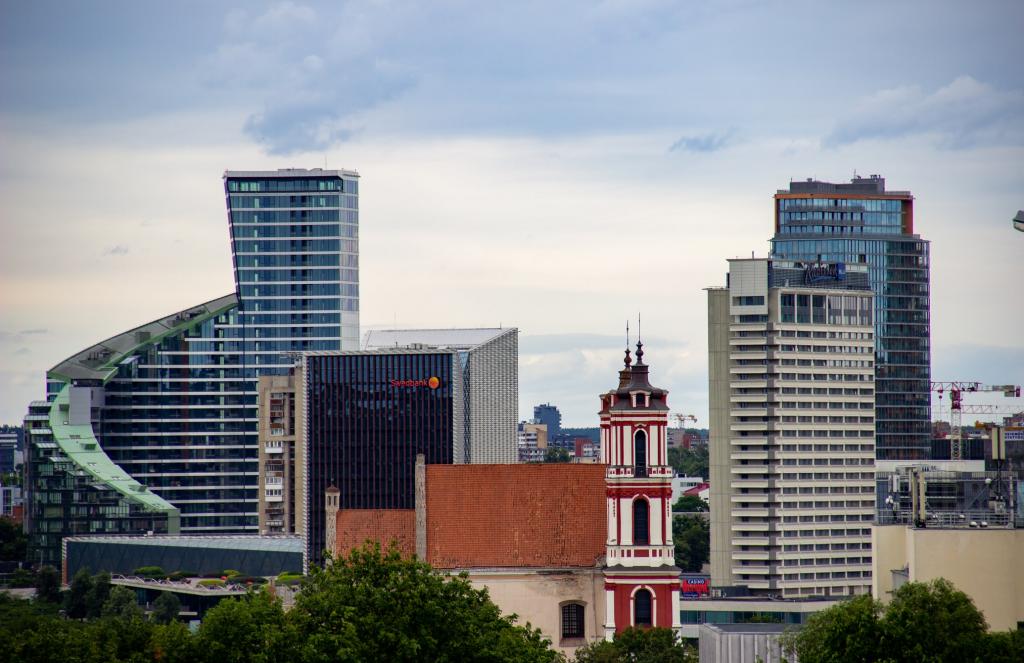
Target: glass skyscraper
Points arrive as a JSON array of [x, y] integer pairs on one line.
[[164, 417], [862, 223], [295, 247]]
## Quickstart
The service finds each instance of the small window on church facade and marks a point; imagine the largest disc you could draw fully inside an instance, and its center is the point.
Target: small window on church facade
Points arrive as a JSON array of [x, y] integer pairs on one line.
[[641, 522], [572, 620], [642, 608]]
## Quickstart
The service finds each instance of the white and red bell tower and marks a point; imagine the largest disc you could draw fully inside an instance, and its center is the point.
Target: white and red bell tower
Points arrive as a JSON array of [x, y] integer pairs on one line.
[[641, 579]]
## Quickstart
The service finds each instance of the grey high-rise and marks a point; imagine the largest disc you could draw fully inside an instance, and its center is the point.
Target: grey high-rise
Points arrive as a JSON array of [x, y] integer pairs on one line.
[[861, 223]]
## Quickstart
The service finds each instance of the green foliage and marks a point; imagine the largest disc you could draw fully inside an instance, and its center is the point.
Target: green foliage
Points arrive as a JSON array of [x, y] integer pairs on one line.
[[13, 542], [634, 645], [76, 601], [98, 595], [556, 455], [689, 462], [150, 572], [22, 578], [166, 608], [121, 604], [924, 622], [48, 585], [690, 503], [231, 573], [289, 578], [691, 536], [212, 582], [372, 602]]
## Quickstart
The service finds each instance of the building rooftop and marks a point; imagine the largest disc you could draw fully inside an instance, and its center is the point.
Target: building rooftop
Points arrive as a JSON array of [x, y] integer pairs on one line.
[[292, 544], [291, 172], [871, 185], [99, 362], [749, 628], [454, 339], [497, 516]]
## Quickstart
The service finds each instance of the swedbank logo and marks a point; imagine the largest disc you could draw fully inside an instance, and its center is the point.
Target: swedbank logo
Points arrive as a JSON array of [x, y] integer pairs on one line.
[[433, 382]]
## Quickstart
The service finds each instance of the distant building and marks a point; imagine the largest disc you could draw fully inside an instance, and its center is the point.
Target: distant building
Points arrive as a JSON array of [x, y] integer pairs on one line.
[[549, 415], [791, 357], [532, 439], [10, 452], [11, 502], [742, 643]]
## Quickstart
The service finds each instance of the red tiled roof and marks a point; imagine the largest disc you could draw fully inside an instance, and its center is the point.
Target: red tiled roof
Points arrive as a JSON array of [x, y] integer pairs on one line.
[[696, 490], [355, 526], [486, 516], [544, 515]]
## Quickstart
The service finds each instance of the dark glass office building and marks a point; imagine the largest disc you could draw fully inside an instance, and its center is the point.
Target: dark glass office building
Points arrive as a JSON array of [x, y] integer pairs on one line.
[[366, 417], [862, 223]]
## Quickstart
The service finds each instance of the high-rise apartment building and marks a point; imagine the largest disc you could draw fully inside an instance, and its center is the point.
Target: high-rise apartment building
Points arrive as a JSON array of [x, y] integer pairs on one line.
[[549, 415], [791, 368], [295, 247], [172, 404], [861, 223]]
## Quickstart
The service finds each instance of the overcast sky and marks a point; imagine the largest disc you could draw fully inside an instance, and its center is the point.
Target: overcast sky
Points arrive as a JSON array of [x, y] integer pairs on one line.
[[554, 166]]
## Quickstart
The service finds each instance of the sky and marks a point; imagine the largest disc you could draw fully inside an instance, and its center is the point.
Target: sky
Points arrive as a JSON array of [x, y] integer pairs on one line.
[[557, 167]]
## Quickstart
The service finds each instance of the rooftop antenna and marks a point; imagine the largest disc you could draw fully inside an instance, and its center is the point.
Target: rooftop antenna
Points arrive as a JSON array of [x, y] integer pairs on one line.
[[638, 326]]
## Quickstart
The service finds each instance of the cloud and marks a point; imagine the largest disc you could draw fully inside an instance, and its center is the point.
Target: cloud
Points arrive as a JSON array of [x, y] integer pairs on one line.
[[116, 250], [709, 142], [964, 114]]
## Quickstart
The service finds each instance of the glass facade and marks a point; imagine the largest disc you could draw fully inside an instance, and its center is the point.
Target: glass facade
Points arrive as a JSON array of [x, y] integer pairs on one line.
[[822, 222], [294, 241], [367, 417]]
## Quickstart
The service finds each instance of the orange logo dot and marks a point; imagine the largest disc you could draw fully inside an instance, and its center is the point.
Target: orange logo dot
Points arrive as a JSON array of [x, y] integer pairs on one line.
[[433, 383]]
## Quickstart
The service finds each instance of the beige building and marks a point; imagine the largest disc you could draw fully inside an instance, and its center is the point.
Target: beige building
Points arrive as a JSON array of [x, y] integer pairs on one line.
[[276, 454], [791, 373]]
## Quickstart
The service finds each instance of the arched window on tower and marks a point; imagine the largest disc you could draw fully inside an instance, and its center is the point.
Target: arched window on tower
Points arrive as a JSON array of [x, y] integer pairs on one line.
[[640, 454], [642, 613], [641, 522]]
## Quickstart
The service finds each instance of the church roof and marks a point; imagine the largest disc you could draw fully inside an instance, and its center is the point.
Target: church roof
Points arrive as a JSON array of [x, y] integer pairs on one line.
[[497, 516]]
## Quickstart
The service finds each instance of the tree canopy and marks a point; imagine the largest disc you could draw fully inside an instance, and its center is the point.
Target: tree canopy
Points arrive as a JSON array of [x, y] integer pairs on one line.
[[691, 536], [654, 645], [690, 462], [690, 503], [931, 621]]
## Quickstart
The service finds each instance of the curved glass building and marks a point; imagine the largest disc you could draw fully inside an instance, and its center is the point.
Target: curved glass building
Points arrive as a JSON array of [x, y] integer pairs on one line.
[[156, 429]]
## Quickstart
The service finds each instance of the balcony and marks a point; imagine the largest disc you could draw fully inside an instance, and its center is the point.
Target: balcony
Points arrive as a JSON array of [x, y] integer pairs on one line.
[[274, 447]]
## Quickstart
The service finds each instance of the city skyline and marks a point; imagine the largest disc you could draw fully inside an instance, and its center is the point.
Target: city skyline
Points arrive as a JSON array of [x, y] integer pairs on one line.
[[516, 204]]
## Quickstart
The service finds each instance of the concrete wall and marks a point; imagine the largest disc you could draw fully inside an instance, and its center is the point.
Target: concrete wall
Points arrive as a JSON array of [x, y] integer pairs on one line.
[[984, 563], [537, 597], [718, 444]]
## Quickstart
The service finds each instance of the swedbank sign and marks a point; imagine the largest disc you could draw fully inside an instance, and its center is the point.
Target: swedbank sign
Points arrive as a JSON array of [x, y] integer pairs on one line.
[[431, 383]]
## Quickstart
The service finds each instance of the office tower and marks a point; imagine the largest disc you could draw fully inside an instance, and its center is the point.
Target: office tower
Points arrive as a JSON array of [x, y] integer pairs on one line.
[[548, 414], [295, 248], [861, 223], [172, 404], [356, 420], [791, 373]]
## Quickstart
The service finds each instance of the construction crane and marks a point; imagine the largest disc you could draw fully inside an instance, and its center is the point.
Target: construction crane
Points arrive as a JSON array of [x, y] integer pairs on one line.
[[956, 392], [681, 419]]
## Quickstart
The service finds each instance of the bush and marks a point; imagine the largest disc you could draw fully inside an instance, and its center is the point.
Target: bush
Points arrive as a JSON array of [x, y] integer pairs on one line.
[[289, 578], [231, 573], [182, 575], [212, 582], [247, 580], [150, 572]]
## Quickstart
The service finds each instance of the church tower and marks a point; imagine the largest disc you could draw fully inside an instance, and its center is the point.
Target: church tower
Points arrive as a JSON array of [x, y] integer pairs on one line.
[[641, 579]]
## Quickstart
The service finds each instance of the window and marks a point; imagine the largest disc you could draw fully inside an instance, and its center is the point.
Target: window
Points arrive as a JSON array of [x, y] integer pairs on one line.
[[641, 522], [642, 608], [640, 454], [572, 620]]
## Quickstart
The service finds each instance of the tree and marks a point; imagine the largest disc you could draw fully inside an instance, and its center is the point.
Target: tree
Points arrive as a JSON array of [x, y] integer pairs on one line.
[[924, 622], [635, 645], [76, 602], [690, 503], [121, 604], [689, 462], [48, 585], [556, 455], [691, 536], [933, 621], [373, 601], [98, 595], [13, 542], [166, 608]]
